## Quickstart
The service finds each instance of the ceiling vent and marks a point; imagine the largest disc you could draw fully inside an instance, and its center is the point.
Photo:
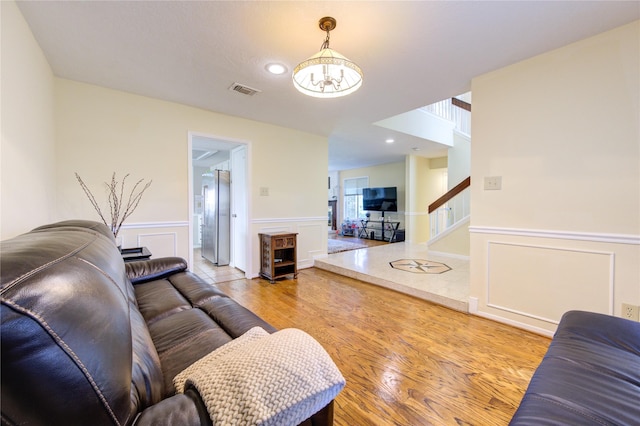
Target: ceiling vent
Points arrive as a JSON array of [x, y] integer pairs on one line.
[[245, 90]]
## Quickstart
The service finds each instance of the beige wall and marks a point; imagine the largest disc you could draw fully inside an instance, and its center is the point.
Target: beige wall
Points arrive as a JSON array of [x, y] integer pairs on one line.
[[101, 130], [455, 241], [419, 180], [28, 144], [459, 156], [52, 128], [391, 174], [426, 182], [562, 130]]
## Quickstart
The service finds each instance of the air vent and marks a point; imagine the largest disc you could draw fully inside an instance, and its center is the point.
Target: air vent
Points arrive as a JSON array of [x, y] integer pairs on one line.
[[245, 90]]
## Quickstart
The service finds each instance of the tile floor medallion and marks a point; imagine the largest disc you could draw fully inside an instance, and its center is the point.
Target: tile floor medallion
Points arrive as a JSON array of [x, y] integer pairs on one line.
[[371, 265], [419, 266]]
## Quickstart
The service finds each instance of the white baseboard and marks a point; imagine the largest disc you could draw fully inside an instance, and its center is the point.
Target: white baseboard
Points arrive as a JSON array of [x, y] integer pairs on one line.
[[453, 255], [513, 323]]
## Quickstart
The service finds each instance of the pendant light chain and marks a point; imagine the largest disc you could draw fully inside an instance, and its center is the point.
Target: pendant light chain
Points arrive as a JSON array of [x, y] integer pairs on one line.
[[325, 45]]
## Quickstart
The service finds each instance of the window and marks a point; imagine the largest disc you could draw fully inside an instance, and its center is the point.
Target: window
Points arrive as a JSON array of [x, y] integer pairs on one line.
[[353, 197]]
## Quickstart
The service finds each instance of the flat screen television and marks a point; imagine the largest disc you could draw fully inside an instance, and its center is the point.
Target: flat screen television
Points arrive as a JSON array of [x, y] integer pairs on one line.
[[380, 199]]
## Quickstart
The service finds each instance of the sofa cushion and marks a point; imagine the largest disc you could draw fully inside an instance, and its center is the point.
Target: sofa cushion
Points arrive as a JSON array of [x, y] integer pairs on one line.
[[97, 227], [589, 375], [66, 301], [183, 338], [188, 318], [158, 300]]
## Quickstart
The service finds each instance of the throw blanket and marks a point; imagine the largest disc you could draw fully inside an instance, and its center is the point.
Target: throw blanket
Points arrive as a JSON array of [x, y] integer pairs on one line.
[[264, 379]]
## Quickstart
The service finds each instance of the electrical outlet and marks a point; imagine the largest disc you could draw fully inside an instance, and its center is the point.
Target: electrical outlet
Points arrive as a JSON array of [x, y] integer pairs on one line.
[[631, 312]]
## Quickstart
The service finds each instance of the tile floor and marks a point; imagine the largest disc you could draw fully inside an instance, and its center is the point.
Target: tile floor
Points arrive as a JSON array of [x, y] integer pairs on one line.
[[212, 273], [372, 265]]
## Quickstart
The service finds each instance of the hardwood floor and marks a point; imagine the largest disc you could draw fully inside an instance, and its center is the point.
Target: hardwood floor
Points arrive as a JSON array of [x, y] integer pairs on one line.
[[406, 361]]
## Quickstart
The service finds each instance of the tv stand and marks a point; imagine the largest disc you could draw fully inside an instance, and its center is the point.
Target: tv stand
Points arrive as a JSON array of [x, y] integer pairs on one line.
[[378, 230]]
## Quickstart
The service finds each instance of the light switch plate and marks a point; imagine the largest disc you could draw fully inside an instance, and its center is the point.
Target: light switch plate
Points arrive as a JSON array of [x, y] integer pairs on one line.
[[493, 183]]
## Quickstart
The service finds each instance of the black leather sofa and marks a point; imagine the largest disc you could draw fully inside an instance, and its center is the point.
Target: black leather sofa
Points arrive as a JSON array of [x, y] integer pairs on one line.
[[590, 375], [89, 340]]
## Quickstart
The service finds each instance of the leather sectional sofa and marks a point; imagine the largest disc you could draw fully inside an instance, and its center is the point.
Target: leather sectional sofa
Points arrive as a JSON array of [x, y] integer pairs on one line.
[[90, 340], [590, 375]]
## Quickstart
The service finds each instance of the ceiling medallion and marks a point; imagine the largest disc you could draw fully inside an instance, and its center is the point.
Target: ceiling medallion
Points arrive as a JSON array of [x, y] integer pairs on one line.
[[327, 74]]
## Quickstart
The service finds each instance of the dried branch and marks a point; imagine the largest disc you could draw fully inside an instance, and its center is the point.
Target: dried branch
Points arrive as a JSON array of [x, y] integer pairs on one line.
[[115, 199], [92, 199]]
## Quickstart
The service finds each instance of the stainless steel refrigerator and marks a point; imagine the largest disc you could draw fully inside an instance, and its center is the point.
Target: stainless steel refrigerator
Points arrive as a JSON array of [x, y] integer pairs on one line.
[[216, 217]]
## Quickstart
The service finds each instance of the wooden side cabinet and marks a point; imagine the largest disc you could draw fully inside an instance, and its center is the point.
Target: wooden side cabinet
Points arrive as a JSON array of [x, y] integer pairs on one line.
[[278, 255]]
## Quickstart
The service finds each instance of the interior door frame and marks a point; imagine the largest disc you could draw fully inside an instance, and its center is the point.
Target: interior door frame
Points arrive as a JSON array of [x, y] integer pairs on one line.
[[238, 212], [247, 144]]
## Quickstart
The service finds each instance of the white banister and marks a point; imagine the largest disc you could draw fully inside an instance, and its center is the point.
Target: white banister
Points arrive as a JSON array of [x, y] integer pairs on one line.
[[450, 213], [445, 109]]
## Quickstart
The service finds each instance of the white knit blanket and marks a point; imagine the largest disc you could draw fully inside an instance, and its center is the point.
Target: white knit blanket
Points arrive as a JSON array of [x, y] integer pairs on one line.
[[264, 379]]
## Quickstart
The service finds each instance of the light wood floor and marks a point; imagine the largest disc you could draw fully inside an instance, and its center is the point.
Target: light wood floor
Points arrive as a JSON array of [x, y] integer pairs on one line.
[[406, 361]]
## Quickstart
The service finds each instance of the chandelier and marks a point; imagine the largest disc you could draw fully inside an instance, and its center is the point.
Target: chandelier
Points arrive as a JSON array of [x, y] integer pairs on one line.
[[327, 74]]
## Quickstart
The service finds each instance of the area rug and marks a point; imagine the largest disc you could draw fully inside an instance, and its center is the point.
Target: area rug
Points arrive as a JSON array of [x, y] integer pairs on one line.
[[336, 246]]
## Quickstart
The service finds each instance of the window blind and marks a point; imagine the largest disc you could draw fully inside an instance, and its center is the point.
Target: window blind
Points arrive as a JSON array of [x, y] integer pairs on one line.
[[354, 186]]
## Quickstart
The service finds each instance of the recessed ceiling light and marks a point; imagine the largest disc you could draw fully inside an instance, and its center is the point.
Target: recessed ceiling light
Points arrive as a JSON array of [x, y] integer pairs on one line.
[[390, 140], [276, 69]]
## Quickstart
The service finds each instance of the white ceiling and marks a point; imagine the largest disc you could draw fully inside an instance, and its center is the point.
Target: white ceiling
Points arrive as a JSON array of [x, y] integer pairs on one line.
[[412, 54], [207, 152]]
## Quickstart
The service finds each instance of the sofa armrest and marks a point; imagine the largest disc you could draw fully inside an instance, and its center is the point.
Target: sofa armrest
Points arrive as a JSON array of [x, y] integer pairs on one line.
[[154, 269], [188, 409], [185, 409]]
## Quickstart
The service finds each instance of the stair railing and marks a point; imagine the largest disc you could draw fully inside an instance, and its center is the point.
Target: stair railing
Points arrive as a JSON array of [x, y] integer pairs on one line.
[[450, 209], [454, 110]]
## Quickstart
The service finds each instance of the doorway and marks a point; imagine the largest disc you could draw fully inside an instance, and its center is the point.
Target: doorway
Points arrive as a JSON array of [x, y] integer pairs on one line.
[[206, 153]]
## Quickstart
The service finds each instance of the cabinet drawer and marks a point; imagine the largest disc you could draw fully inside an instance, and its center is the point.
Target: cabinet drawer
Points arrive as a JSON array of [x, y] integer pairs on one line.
[[284, 242]]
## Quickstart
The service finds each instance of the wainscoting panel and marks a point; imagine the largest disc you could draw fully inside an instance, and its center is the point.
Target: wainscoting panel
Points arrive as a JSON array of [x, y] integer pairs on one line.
[[161, 244], [161, 238], [544, 282], [311, 236]]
